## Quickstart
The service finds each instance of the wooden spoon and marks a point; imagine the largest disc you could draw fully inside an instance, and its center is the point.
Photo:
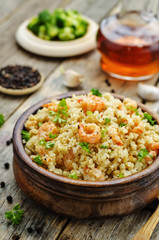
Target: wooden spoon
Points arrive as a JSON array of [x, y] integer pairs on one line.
[[146, 231]]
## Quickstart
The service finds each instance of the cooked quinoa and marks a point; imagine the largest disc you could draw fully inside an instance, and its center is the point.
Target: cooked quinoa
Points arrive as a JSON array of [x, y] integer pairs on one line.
[[91, 137]]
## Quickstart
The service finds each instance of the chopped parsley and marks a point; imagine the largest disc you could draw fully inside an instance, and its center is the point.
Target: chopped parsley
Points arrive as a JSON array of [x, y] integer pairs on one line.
[[15, 215], [62, 109], [48, 144], [142, 154], [149, 118], [25, 135], [121, 175], [89, 113], [39, 124], [96, 92], [58, 119], [52, 135], [1, 119], [133, 109], [107, 120], [73, 175], [85, 146], [38, 160], [103, 146], [121, 124], [103, 132]]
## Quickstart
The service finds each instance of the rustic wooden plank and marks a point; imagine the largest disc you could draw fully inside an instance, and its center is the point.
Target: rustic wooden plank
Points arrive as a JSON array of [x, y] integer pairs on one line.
[[114, 228], [7, 8]]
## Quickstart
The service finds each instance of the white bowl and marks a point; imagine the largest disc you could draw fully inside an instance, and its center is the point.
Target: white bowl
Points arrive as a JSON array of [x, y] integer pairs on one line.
[[30, 42]]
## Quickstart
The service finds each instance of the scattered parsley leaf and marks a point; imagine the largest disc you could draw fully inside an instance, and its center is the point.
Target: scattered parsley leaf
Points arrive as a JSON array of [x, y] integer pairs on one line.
[[48, 144], [85, 146], [15, 215], [52, 113], [38, 160], [107, 120], [121, 175], [25, 135], [103, 132], [62, 109], [96, 92], [149, 118], [52, 135], [103, 146], [1, 119], [58, 119], [42, 142], [89, 113], [121, 124], [39, 124], [133, 109], [73, 175], [142, 154]]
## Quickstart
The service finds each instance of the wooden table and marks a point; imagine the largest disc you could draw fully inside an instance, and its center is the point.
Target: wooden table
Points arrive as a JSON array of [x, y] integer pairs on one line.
[[51, 225]]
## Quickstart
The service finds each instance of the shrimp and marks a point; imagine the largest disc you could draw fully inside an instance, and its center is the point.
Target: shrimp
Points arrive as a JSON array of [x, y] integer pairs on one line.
[[46, 129], [97, 174], [130, 103], [149, 157], [68, 160], [115, 137], [52, 106], [92, 103], [89, 132], [154, 147], [139, 129]]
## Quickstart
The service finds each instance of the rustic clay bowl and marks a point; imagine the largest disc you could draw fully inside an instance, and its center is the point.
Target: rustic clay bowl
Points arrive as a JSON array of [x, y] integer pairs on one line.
[[77, 198]]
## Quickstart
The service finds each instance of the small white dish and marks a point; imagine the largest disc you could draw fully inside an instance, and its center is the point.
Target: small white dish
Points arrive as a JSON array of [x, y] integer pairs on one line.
[[30, 42]]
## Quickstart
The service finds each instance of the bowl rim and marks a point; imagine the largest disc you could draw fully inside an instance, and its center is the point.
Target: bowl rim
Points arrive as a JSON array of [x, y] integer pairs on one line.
[[18, 148]]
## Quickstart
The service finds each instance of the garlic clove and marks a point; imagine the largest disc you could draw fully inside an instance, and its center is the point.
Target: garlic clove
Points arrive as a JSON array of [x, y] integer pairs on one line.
[[72, 78], [148, 92]]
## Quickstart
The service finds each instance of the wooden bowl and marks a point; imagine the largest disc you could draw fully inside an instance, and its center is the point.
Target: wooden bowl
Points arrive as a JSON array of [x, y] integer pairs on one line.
[[78, 198]]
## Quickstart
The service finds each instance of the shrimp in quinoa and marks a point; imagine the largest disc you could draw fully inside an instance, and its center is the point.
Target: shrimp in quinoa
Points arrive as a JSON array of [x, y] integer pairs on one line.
[[113, 133], [46, 130], [89, 132], [92, 103]]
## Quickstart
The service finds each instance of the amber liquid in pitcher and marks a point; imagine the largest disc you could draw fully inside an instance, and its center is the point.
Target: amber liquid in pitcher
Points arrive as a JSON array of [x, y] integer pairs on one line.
[[129, 46]]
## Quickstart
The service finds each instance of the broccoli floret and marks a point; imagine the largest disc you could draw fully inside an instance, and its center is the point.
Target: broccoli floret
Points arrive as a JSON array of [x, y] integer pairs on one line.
[[66, 34], [34, 25], [80, 30], [42, 31], [52, 31], [44, 16]]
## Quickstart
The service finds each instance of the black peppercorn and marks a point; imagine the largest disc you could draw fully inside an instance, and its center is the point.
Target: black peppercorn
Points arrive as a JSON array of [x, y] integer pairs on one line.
[[19, 77], [107, 82], [30, 230], [16, 237], [112, 91], [7, 142], [9, 199], [3, 184], [6, 165]]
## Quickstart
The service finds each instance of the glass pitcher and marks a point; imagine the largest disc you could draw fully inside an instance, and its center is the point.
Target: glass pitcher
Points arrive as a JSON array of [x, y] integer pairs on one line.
[[129, 42]]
